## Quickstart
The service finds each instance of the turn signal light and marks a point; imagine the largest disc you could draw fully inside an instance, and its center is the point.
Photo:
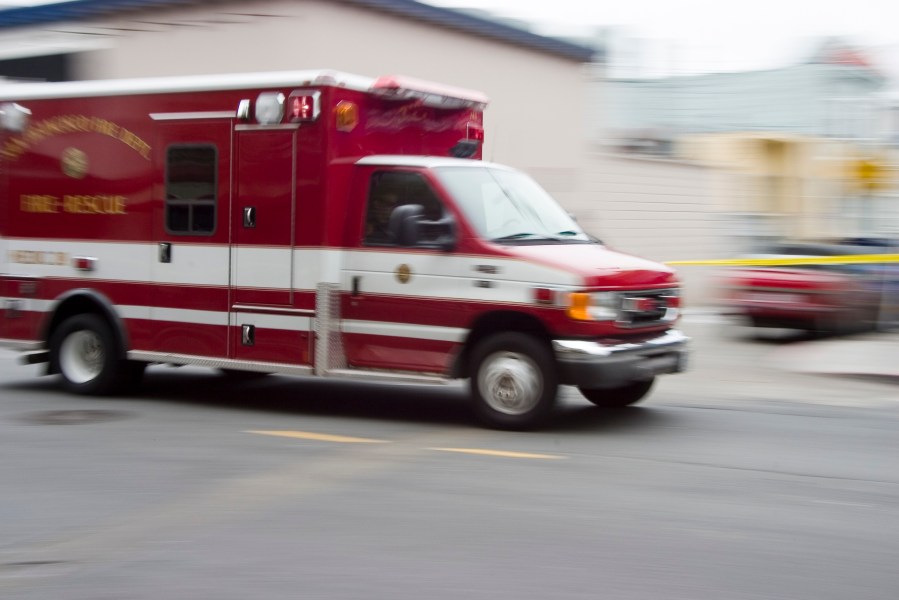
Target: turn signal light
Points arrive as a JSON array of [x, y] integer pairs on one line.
[[579, 306]]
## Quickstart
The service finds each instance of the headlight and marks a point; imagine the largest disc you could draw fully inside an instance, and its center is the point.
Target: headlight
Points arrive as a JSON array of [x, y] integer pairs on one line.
[[598, 306]]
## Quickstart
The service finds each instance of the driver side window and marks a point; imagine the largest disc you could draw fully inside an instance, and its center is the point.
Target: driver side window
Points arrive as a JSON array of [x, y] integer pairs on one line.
[[390, 189]]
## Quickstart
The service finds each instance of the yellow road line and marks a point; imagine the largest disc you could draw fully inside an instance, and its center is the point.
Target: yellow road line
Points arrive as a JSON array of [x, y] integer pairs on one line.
[[502, 453], [319, 437], [798, 260]]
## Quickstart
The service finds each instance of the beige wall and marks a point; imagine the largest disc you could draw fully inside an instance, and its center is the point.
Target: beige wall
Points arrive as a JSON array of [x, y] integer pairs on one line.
[[658, 209], [534, 120]]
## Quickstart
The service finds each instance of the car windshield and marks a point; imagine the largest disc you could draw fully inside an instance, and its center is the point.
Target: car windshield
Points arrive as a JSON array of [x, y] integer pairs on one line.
[[508, 207]]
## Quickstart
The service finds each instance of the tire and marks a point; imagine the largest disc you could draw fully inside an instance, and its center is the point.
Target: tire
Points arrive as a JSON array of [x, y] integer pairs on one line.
[[513, 381], [86, 355], [618, 397], [132, 374]]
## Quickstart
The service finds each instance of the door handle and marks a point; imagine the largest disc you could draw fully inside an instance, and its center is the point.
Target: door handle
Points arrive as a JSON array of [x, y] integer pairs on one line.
[[249, 217], [165, 252], [248, 335]]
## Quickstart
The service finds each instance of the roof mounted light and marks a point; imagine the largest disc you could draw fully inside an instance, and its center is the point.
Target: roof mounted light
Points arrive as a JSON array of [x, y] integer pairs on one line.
[[304, 106], [435, 95], [269, 108]]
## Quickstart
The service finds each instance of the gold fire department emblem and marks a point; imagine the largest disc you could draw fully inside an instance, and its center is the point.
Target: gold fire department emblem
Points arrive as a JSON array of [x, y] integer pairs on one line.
[[74, 163], [403, 273]]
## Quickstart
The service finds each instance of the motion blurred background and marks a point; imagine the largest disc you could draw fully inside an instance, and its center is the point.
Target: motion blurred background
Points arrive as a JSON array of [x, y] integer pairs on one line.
[[684, 131]]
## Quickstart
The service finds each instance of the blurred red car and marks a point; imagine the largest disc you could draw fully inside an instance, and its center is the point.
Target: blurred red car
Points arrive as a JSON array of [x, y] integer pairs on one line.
[[820, 298]]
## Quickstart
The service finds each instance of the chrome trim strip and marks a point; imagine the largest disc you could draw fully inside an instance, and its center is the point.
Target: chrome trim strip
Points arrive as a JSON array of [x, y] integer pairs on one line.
[[285, 369], [251, 308], [180, 116], [249, 127], [21, 345], [219, 363], [387, 376], [589, 350]]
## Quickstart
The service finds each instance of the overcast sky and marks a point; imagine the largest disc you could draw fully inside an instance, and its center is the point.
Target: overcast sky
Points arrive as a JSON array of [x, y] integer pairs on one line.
[[704, 35], [682, 36]]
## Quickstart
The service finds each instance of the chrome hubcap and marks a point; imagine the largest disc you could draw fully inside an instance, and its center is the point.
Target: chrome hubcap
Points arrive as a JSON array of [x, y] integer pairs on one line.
[[81, 356], [510, 383]]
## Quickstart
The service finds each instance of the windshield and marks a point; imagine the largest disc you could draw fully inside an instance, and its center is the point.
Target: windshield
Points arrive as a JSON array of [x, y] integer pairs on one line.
[[507, 206]]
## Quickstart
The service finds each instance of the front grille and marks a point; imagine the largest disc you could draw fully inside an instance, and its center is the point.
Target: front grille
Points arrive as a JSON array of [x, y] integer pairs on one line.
[[648, 307]]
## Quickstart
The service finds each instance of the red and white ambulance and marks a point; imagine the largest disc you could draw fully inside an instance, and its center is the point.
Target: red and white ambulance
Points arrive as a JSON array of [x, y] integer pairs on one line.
[[311, 223]]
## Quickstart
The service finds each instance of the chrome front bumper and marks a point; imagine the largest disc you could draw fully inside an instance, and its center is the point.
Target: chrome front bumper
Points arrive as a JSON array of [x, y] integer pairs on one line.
[[593, 365]]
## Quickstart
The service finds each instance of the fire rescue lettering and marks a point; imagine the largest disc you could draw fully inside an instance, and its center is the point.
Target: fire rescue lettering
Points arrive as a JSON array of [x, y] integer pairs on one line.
[[100, 204], [38, 257], [63, 124]]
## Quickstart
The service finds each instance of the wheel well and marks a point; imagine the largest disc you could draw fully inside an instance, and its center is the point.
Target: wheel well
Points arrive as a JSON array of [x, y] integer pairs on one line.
[[79, 302], [497, 322]]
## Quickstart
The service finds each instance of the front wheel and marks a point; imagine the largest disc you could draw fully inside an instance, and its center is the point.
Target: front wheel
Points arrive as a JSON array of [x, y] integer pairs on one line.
[[83, 350], [620, 396], [513, 381]]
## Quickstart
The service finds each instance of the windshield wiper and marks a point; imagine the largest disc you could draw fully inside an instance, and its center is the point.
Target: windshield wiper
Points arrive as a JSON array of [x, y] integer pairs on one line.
[[518, 236], [562, 236]]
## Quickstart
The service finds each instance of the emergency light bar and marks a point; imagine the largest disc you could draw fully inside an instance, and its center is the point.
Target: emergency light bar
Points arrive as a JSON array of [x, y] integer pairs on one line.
[[434, 95]]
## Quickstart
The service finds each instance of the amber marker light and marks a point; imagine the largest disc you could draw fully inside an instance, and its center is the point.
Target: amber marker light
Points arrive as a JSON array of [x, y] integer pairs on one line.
[[579, 306], [346, 115]]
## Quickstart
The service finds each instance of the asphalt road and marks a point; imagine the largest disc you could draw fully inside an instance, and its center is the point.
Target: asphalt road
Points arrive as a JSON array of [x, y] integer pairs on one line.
[[737, 480]]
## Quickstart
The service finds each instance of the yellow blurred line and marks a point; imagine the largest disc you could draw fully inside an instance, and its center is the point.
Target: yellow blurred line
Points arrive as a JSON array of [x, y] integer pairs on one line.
[[781, 262], [502, 453], [320, 437]]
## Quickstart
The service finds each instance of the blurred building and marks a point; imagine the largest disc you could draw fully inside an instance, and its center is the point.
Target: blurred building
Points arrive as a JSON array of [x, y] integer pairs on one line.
[[535, 84], [798, 152]]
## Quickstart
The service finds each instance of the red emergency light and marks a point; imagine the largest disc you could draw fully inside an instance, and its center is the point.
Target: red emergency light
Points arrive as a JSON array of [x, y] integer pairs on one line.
[[435, 95], [474, 131], [84, 263], [471, 143], [544, 295], [303, 106]]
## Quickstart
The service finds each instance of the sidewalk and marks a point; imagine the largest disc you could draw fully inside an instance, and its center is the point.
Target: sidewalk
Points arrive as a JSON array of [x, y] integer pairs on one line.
[[870, 355]]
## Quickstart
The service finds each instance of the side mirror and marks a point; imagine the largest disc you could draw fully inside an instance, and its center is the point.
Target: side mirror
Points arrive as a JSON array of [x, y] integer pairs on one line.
[[404, 222], [408, 227]]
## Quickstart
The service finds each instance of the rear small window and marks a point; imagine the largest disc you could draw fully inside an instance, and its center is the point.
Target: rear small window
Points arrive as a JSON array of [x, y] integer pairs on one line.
[[190, 189]]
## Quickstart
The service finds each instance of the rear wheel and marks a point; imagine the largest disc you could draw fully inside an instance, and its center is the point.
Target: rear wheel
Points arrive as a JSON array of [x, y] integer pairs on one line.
[[84, 352], [513, 381], [620, 396]]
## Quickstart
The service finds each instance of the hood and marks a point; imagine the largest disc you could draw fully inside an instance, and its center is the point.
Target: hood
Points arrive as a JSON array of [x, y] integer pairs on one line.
[[598, 265], [786, 278]]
